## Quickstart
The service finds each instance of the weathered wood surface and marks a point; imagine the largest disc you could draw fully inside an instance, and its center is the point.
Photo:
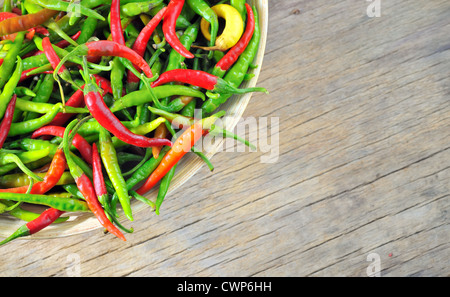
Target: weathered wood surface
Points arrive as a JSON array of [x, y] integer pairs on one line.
[[363, 169]]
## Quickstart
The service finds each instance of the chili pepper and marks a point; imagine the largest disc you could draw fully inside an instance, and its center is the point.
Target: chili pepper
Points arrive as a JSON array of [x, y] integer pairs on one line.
[[87, 29], [233, 54], [164, 188], [143, 96], [59, 5], [25, 22], [25, 157], [43, 95], [169, 27], [78, 141], [181, 146], [109, 157], [31, 125], [101, 112], [137, 8], [140, 44], [234, 27], [34, 61], [236, 74], [45, 219], [205, 11], [7, 120], [100, 187], [9, 61], [85, 186], [41, 107], [54, 59], [116, 25], [202, 79], [51, 178], [61, 203]]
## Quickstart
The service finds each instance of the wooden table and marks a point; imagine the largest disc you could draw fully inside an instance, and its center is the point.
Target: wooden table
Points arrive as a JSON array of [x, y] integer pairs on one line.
[[361, 183]]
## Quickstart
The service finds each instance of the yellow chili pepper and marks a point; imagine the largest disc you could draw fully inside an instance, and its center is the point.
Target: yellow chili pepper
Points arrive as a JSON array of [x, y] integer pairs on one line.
[[234, 27]]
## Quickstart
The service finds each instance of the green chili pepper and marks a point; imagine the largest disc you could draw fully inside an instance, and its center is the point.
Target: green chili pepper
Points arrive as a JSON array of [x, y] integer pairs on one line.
[[109, 157], [144, 96], [34, 61], [8, 64], [63, 204], [43, 94], [34, 124], [40, 107], [236, 75], [25, 157], [134, 9], [87, 29], [9, 87]]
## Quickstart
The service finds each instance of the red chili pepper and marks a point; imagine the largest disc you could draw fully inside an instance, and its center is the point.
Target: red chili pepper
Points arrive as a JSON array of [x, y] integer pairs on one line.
[[100, 111], [51, 178], [45, 219], [79, 142], [86, 188], [54, 59], [144, 36], [169, 27], [99, 181], [181, 146], [201, 79], [233, 54], [7, 120], [116, 24]]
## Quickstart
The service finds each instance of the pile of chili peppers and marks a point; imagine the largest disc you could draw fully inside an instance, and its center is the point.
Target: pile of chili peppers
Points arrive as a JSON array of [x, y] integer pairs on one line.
[[101, 99]]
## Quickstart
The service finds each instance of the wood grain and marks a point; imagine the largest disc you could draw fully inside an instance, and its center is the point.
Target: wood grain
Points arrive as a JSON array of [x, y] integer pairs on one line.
[[363, 167]]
